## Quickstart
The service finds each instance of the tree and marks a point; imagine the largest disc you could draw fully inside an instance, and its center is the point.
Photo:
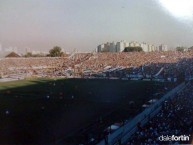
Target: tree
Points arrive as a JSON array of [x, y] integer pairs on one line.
[[55, 52], [28, 54], [132, 49], [180, 48]]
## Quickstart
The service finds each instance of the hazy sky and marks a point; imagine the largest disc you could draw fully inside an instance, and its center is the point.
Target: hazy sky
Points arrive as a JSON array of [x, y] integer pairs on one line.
[[83, 24]]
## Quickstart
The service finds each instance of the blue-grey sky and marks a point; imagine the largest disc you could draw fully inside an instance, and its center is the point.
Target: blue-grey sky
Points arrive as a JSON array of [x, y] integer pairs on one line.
[[83, 24]]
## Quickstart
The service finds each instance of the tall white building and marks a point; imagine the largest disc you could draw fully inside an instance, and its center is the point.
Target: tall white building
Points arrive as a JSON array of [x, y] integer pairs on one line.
[[120, 46], [126, 44], [100, 48], [103, 48], [163, 47], [112, 47], [134, 44], [151, 48], [144, 46]]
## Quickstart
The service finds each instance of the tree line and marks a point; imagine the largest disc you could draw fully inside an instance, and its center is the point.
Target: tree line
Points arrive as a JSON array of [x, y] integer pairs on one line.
[[56, 51]]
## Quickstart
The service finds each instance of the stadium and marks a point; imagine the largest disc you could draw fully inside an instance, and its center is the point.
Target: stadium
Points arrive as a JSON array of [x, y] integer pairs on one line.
[[93, 72], [124, 98]]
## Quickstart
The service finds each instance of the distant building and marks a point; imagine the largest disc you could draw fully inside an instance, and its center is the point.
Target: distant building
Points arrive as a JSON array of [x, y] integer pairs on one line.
[[163, 47], [151, 48], [126, 44], [103, 47], [120, 46], [34, 52], [144, 46], [113, 47], [100, 48], [134, 44]]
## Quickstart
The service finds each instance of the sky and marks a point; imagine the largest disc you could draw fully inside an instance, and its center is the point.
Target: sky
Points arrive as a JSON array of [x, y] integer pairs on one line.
[[84, 24]]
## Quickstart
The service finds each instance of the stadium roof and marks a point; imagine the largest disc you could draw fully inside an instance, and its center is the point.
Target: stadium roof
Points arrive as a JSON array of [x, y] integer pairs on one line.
[[13, 54]]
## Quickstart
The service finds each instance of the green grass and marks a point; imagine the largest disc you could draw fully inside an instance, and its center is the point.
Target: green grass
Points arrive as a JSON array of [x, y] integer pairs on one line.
[[21, 83]]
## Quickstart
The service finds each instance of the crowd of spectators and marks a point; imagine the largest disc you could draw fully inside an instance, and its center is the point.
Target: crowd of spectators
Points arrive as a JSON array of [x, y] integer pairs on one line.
[[174, 119], [171, 63], [31, 66], [162, 64]]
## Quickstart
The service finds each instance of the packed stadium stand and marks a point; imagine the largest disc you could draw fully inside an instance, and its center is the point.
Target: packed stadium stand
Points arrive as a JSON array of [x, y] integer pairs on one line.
[[168, 65], [174, 119]]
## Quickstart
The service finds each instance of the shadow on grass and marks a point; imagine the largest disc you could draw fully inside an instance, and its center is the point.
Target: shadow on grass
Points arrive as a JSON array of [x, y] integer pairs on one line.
[[45, 111]]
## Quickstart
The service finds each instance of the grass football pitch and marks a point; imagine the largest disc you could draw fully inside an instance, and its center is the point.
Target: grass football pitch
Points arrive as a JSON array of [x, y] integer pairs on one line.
[[46, 111]]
